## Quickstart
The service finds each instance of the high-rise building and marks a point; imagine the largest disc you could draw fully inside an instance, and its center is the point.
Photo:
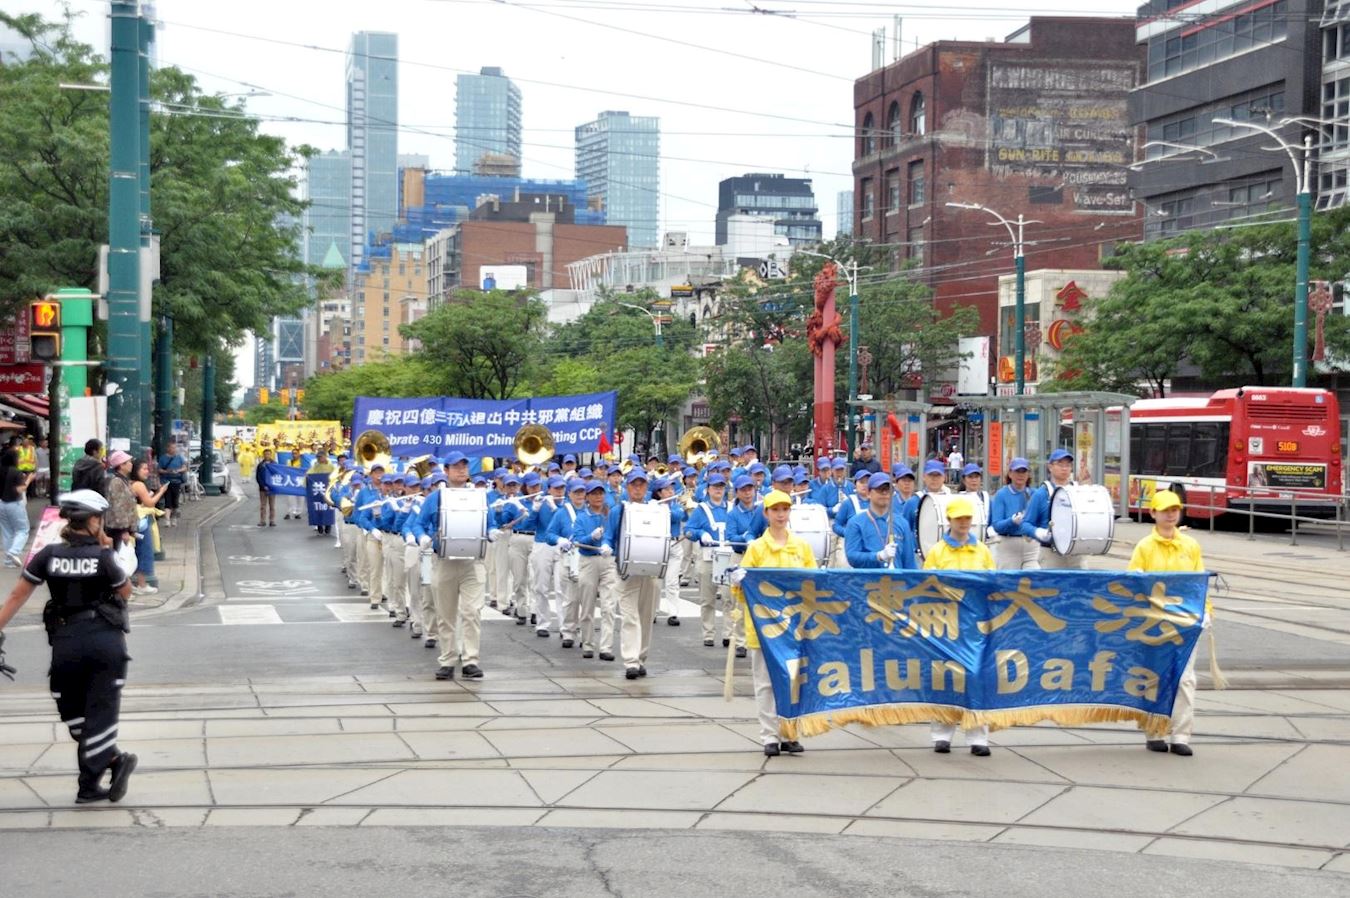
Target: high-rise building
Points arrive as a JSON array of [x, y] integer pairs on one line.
[[487, 119], [619, 158], [790, 202], [845, 212], [1333, 161], [432, 201], [372, 137], [328, 218], [1229, 59], [387, 291]]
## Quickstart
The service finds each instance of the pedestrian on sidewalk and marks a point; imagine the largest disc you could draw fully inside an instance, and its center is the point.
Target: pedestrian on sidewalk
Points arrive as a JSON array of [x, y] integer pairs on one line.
[[1168, 549], [172, 471], [779, 547], [14, 484], [146, 532], [121, 520], [267, 501], [89, 473], [86, 620]]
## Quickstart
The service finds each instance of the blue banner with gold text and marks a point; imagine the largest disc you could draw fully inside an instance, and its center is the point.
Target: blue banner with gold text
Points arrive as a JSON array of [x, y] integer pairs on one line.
[[1003, 649]]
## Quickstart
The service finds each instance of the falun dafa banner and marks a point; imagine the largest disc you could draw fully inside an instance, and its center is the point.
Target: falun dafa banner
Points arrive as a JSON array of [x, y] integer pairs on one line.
[[1003, 649]]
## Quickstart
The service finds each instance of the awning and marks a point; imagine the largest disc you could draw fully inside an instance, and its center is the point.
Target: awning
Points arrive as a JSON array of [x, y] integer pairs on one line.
[[26, 404]]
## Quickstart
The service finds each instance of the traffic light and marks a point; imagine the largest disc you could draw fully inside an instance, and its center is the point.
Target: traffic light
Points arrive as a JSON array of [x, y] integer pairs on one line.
[[285, 396], [44, 330], [264, 397]]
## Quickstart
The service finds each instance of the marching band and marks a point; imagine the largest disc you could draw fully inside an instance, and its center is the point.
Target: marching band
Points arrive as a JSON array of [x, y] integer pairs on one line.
[[588, 554]]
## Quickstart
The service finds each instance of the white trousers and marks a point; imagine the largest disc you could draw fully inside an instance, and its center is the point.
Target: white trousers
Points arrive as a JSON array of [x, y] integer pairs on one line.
[[670, 586], [569, 599], [1017, 553], [599, 582], [943, 732], [412, 587], [1053, 561], [457, 587], [374, 571], [518, 562], [637, 607], [351, 548], [544, 585], [1183, 709], [394, 578], [766, 709], [708, 595]]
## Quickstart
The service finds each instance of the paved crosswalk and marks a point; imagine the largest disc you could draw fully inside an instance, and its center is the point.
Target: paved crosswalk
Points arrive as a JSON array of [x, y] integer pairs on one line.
[[241, 612]]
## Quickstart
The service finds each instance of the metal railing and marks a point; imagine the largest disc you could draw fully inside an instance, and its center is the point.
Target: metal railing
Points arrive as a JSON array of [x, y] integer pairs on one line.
[[1264, 496]]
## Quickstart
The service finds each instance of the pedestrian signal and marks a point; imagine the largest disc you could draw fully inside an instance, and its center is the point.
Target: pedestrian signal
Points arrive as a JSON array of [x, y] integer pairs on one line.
[[44, 330], [264, 397]]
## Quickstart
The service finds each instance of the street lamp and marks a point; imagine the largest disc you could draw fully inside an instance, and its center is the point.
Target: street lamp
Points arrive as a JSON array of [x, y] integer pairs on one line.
[[656, 321], [850, 271], [1303, 184], [1019, 260]]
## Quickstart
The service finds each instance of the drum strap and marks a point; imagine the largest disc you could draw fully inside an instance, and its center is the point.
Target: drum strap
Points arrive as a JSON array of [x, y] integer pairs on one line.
[[713, 523]]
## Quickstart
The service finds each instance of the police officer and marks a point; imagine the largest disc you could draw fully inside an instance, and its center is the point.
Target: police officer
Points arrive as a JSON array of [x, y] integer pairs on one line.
[[86, 621]]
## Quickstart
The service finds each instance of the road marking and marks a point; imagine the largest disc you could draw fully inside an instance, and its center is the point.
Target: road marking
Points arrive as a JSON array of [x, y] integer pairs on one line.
[[276, 588], [249, 559], [233, 615], [352, 613]]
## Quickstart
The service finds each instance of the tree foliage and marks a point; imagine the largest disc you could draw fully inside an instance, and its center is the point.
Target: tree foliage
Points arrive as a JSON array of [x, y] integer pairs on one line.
[[1221, 300], [222, 193], [481, 345], [332, 395]]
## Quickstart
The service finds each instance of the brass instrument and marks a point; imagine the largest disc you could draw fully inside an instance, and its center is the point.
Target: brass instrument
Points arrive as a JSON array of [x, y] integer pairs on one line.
[[422, 464], [372, 448], [533, 444], [696, 443]]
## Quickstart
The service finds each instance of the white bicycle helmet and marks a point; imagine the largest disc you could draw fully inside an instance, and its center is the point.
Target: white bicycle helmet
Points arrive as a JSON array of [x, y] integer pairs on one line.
[[83, 501]]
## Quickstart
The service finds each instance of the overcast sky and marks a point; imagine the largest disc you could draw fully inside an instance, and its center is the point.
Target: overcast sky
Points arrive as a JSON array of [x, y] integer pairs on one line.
[[736, 90]]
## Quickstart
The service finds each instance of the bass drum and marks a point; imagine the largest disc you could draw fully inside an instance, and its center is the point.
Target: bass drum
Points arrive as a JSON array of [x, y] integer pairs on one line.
[[721, 564], [644, 540], [932, 519], [463, 525], [1082, 520], [812, 523], [572, 566], [424, 562]]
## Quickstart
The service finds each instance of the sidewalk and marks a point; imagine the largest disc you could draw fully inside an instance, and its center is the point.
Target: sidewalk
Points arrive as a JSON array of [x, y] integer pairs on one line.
[[1270, 782], [177, 573]]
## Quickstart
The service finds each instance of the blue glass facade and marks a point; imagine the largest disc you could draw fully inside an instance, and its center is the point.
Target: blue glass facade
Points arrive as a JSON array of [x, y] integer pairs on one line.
[[328, 219], [372, 136], [487, 118], [619, 158]]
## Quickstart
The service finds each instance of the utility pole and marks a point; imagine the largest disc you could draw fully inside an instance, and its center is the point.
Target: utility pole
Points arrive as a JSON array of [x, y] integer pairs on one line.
[[124, 242], [1015, 229], [145, 30], [204, 474]]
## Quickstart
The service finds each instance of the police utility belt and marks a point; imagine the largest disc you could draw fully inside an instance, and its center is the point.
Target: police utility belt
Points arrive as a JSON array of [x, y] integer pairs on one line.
[[112, 611]]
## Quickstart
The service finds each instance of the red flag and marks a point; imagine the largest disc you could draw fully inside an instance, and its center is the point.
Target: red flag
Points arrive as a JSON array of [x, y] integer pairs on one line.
[[894, 423], [604, 445]]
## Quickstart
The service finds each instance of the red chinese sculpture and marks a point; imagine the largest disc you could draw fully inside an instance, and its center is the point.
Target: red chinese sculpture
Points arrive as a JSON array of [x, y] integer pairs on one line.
[[824, 337]]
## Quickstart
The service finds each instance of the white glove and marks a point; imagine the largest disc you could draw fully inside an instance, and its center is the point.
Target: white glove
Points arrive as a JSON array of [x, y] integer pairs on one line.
[[737, 575], [606, 551], [705, 539], [424, 542], [887, 555], [990, 533], [410, 540], [494, 534], [564, 545], [1042, 535], [1017, 518], [597, 533], [377, 535]]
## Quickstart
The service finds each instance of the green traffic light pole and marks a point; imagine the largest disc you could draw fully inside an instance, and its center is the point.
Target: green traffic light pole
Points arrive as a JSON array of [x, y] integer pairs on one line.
[[124, 228], [1303, 184], [1020, 265]]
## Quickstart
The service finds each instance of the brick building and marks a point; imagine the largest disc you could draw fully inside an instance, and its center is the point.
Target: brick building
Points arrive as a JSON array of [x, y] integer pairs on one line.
[[388, 289], [1037, 124]]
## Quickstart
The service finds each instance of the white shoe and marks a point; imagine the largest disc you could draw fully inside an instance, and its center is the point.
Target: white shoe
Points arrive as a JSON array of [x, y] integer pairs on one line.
[[144, 590]]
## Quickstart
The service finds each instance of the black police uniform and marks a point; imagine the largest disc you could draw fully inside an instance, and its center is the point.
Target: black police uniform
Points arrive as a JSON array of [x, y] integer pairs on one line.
[[86, 626]]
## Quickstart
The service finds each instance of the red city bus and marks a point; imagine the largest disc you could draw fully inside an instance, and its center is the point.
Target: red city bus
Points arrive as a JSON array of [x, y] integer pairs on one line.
[[1257, 448]]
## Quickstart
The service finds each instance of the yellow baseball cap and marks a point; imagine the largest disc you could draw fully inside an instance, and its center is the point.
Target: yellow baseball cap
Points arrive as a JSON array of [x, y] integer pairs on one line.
[[960, 507], [776, 497], [1165, 499]]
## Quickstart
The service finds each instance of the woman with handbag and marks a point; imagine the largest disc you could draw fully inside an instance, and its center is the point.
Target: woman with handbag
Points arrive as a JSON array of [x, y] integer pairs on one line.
[[146, 530]]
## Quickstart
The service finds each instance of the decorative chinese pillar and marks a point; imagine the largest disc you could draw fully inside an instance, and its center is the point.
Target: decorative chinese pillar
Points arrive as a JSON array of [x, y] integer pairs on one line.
[[824, 338]]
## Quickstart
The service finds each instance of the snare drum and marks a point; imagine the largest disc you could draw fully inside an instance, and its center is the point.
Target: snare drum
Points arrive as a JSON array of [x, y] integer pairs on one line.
[[722, 562], [644, 540], [1082, 520], [463, 525], [812, 523], [932, 519], [572, 566], [424, 562]]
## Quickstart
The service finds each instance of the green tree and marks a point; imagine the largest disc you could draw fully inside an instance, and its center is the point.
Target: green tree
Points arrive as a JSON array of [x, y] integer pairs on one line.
[[481, 345], [331, 396], [1222, 299]]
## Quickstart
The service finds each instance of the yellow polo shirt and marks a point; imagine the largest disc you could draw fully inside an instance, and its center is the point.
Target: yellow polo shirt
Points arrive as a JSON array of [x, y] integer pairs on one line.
[[948, 556], [765, 552]]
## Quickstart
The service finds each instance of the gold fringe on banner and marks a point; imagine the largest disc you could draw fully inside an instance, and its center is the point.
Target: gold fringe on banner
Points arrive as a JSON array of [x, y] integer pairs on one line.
[[1217, 679], [1155, 725]]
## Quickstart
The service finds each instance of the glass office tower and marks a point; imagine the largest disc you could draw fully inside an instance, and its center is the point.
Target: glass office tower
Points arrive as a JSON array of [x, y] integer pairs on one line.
[[618, 156]]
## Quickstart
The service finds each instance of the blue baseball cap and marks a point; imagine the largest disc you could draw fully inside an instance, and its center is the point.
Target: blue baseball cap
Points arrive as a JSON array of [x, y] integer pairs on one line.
[[478, 479], [635, 475], [569, 457], [356, 478], [660, 483], [742, 481], [800, 477], [782, 472], [823, 462], [933, 466], [511, 480], [895, 468], [723, 465], [689, 472], [601, 465], [432, 479], [734, 451], [554, 466], [376, 467], [577, 484], [674, 459], [716, 480], [584, 472], [595, 487], [1019, 464], [1060, 454], [971, 468], [903, 470], [758, 468], [556, 481], [748, 448], [454, 457], [862, 474], [411, 479], [839, 465], [878, 480], [530, 479]]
